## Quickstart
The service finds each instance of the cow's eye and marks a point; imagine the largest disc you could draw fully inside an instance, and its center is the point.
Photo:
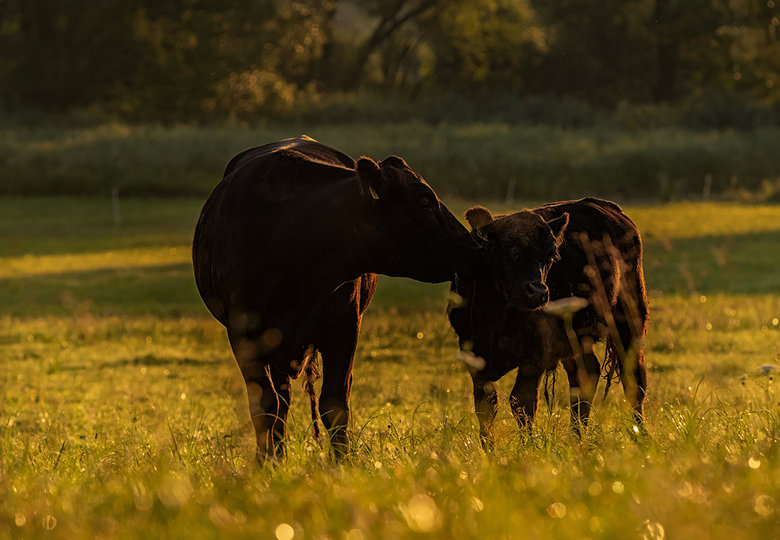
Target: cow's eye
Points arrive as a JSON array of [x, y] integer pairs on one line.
[[425, 205]]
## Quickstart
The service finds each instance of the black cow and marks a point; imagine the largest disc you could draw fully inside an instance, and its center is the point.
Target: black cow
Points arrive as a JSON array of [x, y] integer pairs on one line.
[[585, 257], [286, 255]]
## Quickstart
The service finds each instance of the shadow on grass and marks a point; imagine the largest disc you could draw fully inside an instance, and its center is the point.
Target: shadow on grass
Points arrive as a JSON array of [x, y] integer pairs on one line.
[[154, 290], [739, 264], [74, 225], [167, 290], [732, 264], [155, 360]]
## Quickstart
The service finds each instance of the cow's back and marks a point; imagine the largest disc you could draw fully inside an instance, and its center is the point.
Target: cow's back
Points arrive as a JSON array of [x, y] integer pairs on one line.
[[282, 170], [304, 144], [592, 216]]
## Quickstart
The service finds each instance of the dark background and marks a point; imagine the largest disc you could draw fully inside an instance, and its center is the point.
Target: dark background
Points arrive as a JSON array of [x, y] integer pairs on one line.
[[184, 60]]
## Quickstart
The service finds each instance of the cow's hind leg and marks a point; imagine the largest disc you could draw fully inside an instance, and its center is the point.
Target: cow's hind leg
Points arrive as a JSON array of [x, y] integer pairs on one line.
[[583, 378], [486, 407], [268, 392], [336, 341], [269, 402]]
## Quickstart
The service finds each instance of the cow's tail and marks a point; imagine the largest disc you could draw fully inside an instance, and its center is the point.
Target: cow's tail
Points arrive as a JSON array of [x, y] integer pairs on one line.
[[311, 371]]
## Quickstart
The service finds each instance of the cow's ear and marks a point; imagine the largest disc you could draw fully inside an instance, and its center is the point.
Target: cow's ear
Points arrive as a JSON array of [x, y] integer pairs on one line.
[[558, 226], [370, 177], [478, 217], [394, 161]]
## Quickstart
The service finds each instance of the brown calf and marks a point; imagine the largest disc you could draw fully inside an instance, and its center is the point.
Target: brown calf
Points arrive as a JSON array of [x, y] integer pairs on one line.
[[561, 277]]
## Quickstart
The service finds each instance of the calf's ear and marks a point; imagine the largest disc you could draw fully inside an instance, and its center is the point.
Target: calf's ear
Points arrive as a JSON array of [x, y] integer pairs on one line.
[[370, 177], [478, 217], [558, 226]]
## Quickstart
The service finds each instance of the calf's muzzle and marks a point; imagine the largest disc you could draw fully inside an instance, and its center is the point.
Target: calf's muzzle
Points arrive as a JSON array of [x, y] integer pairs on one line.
[[536, 293]]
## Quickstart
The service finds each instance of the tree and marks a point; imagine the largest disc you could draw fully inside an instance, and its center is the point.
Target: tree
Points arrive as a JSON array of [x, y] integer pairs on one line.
[[486, 44], [159, 59], [598, 50], [58, 55], [686, 42], [389, 18]]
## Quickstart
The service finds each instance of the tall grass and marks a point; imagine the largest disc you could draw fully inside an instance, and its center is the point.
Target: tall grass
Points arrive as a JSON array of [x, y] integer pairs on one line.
[[123, 414], [486, 160]]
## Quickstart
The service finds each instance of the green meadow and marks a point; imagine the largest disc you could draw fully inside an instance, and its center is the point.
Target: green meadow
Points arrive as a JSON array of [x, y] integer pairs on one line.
[[123, 415]]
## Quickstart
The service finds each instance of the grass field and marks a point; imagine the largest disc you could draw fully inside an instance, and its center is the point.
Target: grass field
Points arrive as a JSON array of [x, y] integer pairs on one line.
[[122, 413]]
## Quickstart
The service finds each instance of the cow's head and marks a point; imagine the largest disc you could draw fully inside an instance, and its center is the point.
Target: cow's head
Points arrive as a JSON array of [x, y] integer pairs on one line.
[[521, 249], [412, 233]]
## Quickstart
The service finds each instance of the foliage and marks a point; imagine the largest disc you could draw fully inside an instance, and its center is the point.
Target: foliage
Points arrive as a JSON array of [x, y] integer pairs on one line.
[[122, 412], [484, 45], [488, 160], [184, 60], [161, 60]]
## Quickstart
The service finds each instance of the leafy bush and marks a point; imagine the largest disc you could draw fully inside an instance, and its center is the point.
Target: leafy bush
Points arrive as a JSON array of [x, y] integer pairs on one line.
[[479, 160], [715, 109]]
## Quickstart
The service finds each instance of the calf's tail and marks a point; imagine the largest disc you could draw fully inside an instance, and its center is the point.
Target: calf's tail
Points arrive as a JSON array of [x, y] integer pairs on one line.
[[312, 373], [631, 328], [611, 364]]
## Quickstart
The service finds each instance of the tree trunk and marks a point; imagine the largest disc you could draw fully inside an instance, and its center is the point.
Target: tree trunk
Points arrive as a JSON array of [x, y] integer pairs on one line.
[[389, 23], [667, 53]]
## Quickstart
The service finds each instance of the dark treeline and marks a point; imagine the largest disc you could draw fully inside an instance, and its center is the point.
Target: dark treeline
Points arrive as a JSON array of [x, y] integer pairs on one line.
[[179, 60]]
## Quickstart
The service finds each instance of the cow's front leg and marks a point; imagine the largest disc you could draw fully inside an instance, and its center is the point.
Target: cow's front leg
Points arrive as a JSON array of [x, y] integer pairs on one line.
[[486, 407], [269, 401], [525, 398]]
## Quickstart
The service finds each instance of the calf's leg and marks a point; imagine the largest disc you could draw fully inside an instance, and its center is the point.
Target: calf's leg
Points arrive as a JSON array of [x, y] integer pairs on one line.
[[486, 407], [583, 375], [633, 376], [524, 397], [633, 373]]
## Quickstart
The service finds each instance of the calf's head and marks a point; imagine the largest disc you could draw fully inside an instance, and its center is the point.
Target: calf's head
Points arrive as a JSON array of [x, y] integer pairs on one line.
[[521, 248], [411, 232]]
